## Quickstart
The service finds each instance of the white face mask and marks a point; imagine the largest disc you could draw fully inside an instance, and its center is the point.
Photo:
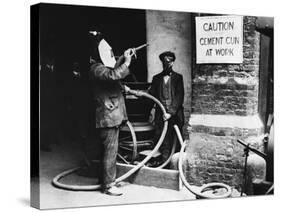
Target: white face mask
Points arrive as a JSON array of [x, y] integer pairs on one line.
[[106, 54]]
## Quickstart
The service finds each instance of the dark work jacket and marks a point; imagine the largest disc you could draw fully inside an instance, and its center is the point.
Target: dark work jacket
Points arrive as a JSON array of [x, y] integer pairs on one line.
[[177, 96], [107, 94]]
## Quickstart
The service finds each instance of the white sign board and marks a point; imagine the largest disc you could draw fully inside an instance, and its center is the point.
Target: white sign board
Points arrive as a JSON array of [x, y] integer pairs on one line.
[[219, 39]]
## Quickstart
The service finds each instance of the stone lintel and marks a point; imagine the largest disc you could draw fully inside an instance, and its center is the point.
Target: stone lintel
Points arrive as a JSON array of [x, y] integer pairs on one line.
[[227, 125]]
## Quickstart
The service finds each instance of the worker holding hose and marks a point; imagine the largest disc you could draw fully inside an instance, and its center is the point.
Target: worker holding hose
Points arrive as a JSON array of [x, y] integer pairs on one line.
[[167, 87], [110, 111]]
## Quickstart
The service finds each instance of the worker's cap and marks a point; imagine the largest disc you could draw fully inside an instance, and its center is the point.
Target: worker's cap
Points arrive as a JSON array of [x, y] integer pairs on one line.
[[167, 54]]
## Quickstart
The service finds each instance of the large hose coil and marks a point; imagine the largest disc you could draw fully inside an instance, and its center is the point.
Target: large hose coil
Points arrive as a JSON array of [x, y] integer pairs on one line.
[[56, 179]]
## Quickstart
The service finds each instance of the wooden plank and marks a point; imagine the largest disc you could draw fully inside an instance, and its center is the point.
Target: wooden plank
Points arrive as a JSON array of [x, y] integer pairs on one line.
[[160, 178]]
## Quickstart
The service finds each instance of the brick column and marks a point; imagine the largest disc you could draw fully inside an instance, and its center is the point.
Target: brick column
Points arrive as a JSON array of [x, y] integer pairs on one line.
[[224, 108]]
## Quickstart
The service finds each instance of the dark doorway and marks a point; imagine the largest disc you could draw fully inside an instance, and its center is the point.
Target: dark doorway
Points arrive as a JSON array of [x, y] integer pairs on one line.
[[266, 77], [266, 92], [64, 30], [64, 43]]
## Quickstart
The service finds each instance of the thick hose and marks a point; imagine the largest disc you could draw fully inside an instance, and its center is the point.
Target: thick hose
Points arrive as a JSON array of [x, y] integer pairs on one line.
[[178, 133], [134, 138], [177, 130], [160, 141], [200, 192], [56, 179], [164, 130]]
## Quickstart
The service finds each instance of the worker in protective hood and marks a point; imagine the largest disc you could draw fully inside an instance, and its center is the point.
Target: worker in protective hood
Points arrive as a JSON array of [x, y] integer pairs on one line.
[[110, 110]]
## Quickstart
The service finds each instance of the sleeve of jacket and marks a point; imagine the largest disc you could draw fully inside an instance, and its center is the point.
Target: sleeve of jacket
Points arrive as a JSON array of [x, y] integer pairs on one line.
[[101, 72], [152, 89]]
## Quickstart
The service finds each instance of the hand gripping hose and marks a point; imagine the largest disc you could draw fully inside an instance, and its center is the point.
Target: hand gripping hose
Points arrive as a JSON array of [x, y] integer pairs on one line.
[[200, 192], [134, 139], [56, 179]]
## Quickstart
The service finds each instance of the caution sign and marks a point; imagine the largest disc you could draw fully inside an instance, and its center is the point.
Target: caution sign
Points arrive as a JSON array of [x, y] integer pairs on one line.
[[219, 39]]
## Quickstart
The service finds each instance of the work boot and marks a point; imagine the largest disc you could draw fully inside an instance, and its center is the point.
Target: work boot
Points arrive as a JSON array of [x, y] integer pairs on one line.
[[113, 191]]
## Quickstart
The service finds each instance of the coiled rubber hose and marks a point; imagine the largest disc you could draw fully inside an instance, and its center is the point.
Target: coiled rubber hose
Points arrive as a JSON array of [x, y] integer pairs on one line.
[[56, 179], [200, 192], [134, 138]]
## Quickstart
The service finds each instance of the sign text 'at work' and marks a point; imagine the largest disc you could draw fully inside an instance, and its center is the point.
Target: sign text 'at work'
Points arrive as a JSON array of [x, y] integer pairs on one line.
[[219, 39]]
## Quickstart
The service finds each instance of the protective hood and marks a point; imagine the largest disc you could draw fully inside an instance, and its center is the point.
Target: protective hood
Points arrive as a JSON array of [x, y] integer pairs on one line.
[[106, 54]]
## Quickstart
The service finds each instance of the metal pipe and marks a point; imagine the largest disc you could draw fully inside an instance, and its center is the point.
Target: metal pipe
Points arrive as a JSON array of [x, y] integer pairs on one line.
[[259, 153]]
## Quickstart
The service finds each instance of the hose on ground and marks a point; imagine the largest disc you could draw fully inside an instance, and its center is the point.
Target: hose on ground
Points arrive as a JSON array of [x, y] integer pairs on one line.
[[200, 192], [56, 179]]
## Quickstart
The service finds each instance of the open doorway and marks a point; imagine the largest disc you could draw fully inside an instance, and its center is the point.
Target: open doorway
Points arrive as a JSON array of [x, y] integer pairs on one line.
[[64, 30], [266, 95], [64, 42], [266, 101]]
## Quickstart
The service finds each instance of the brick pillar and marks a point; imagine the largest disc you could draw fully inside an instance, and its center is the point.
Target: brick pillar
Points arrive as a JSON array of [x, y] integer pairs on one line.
[[224, 108]]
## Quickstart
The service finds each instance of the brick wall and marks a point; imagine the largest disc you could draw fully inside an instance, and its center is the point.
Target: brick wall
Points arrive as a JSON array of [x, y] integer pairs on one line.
[[170, 31], [214, 155], [229, 89], [224, 108], [222, 99]]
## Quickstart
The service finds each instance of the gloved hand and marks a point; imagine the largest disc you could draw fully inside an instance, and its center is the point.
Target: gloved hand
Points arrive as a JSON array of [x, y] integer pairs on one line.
[[128, 56], [189, 128], [127, 89], [136, 93], [151, 115], [167, 116]]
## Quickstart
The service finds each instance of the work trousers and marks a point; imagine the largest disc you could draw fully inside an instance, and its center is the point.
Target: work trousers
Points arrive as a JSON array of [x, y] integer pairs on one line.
[[167, 144], [108, 138]]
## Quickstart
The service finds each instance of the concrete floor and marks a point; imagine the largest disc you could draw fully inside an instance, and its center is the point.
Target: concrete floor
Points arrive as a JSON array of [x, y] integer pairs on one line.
[[63, 157]]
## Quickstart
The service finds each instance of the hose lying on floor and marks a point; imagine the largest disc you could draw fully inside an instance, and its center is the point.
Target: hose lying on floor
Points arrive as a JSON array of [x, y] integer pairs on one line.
[[200, 192], [56, 179]]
